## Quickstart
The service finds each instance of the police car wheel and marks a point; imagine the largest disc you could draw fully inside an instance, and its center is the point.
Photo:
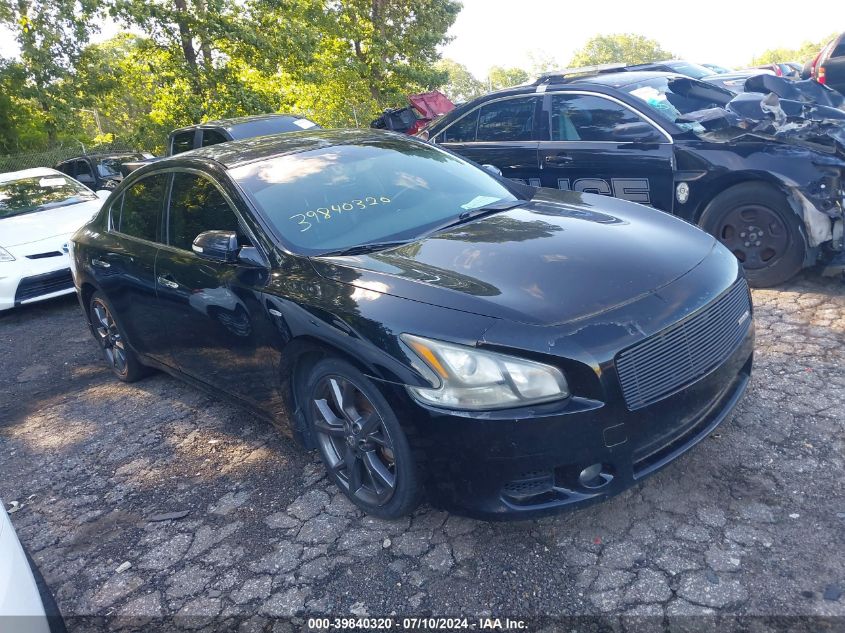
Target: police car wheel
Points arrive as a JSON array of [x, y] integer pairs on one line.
[[756, 223]]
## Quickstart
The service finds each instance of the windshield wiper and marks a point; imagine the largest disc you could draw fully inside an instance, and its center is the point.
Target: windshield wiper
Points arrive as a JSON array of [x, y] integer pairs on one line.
[[365, 248], [472, 214]]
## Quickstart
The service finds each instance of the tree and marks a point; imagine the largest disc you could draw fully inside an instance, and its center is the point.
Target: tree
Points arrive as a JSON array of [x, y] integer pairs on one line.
[[542, 62], [628, 48], [501, 77], [460, 85], [51, 35], [807, 51]]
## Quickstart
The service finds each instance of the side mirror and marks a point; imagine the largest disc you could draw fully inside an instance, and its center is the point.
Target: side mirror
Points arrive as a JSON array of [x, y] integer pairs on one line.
[[218, 246], [102, 194], [492, 169]]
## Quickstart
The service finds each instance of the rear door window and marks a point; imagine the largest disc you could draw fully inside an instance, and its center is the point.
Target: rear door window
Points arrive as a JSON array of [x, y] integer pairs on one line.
[[507, 120], [196, 205], [143, 202]]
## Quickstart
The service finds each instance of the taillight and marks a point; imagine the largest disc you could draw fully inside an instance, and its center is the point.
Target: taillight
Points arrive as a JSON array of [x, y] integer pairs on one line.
[[820, 76], [778, 71]]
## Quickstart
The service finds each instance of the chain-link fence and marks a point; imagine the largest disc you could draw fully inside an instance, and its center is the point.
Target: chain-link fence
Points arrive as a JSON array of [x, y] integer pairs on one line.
[[51, 157]]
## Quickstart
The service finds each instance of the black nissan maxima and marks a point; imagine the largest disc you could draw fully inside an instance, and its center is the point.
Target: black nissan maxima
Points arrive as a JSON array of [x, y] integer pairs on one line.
[[430, 327]]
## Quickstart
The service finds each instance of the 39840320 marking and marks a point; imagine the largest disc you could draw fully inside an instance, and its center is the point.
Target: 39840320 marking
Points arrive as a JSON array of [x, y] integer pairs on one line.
[[326, 212]]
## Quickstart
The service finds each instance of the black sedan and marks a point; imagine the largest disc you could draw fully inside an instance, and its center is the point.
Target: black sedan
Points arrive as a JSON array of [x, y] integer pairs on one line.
[[763, 173], [428, 326]]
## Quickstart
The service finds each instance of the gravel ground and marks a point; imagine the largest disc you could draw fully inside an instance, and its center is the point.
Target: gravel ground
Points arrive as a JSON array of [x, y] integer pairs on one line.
[[223, 519]]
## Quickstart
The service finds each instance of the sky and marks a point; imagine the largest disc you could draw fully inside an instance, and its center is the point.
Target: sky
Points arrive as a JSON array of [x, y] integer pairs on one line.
[[725, 32], [507, 32]]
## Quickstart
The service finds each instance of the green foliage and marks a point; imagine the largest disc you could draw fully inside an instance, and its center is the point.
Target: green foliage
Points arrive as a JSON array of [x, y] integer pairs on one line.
[[807, 51], [338, 62], [500, 77], [460, 85], [628, 48]]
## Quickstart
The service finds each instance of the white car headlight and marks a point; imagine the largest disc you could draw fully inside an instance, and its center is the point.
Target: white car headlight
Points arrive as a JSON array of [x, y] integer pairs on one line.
[[474, 379], [5, 256]]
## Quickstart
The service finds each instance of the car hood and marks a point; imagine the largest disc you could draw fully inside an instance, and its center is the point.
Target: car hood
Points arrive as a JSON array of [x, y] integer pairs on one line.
[[559, 257], [32, 227]]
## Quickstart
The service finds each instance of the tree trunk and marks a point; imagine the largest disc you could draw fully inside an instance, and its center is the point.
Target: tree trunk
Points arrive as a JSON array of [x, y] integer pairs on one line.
[[187, 41]]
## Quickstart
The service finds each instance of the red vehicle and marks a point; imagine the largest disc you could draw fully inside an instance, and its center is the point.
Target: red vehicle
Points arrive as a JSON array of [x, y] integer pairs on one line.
[[424, 108]]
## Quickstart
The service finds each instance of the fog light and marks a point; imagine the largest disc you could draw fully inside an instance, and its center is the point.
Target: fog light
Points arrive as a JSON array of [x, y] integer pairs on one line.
[[590, 476]]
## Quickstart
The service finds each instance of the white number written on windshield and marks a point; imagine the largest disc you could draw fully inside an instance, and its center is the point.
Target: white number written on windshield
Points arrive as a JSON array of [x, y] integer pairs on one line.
[[325, 213]]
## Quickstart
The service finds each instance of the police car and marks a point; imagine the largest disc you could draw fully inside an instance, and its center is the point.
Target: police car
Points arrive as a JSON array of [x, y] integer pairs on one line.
[[773, 197]]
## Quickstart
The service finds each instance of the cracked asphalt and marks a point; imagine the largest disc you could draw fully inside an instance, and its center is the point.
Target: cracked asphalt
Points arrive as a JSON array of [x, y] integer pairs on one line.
[[221, 518]]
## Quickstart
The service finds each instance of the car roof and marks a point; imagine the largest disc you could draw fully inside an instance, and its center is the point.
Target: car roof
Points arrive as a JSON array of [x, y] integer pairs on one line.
[[229, 124], [234, 153], [96, 155], [30, 173], [616, 80]]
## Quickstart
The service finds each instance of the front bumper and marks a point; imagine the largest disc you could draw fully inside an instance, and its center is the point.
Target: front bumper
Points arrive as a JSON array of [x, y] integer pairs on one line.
[[41, 270], [531, 463]]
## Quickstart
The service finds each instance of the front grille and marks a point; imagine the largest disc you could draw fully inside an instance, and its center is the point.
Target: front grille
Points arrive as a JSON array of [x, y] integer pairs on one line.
[[39, 285], [674, 358]]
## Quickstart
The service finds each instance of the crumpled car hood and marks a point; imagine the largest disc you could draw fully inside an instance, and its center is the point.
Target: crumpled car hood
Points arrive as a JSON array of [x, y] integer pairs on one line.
[[802, 113]]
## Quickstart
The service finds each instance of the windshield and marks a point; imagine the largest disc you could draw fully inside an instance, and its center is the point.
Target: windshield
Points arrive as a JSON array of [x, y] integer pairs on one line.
[[690, 70], [673, 97], [110, 165], [339, 197], [26, 195]]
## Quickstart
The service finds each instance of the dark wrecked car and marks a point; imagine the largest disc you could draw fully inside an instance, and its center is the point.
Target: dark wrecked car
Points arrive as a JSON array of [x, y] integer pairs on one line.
[[426, 325], [762, 171]]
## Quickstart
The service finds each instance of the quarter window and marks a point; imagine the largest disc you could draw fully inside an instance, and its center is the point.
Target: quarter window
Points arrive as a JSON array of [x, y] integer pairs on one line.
[[507, 120], [212, 137], [196, 205], [142, 204], [463, 131], [182, 142], [591, 118]]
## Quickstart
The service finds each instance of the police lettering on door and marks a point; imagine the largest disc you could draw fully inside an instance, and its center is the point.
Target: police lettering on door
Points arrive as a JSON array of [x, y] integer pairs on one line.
[[631, 189]]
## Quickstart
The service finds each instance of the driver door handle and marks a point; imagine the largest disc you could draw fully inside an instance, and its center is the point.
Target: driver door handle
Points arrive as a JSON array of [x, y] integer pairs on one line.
[[167, 282], [558, 159], [100, 263]]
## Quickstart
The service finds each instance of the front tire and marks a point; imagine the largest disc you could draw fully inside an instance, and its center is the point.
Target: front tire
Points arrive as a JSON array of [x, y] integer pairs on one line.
[[360, 440], [118, 354], [755, 222]]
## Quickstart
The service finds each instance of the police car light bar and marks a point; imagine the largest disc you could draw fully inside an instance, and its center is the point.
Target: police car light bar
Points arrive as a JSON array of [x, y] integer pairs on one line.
[[583, 70]]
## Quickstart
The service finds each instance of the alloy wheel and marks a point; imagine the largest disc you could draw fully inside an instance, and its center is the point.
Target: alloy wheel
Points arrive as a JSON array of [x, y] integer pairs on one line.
[[354, 441], [109, 337], [755, 234]]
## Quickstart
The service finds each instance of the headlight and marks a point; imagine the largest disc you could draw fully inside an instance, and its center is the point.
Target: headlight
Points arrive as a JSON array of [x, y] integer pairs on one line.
[[475, 379], [5, 256]]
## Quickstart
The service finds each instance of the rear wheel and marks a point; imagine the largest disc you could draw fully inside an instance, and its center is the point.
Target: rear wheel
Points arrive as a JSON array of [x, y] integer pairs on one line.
[[360, 440], [119, 356], [756, 223]]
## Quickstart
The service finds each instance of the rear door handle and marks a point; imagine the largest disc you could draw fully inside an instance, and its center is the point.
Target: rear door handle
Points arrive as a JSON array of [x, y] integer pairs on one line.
[[100, 263], [167, 282], [558, 159]]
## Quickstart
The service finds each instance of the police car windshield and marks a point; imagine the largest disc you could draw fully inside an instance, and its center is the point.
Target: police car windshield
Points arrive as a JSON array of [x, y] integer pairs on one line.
[[672, 98], [341, 197]]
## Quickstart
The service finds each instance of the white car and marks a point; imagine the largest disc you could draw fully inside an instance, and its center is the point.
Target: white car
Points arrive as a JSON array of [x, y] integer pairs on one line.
[[21, 608], [39, 210]]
